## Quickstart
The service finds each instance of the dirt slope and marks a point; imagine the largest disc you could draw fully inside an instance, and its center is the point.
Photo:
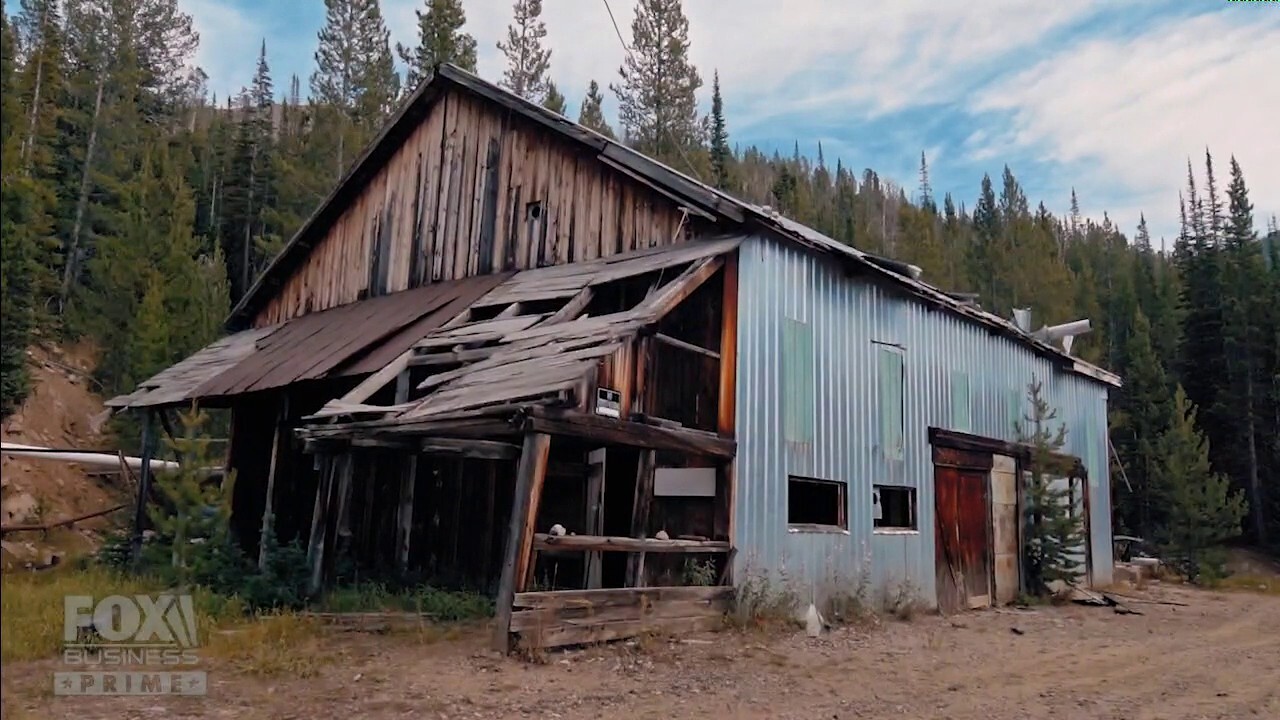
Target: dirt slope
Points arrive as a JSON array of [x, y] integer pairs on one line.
[[63, 411]]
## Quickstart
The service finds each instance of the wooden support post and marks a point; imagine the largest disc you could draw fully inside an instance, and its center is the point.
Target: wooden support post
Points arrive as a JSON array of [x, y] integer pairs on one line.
[[268, 521], [404, 516], [144, 485], [319, 519], [524, 510], [640, 512], [595, 513], [342, 513]]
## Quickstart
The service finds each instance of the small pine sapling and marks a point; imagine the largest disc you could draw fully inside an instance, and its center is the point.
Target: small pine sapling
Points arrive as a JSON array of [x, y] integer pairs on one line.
[[1054, 532]]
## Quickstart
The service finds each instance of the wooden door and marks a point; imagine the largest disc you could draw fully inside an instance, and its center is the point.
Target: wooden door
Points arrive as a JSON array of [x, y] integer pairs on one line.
[[963, 564]]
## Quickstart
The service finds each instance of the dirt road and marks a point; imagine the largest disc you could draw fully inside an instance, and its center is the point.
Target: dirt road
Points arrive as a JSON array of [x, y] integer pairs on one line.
[[1217, 657]]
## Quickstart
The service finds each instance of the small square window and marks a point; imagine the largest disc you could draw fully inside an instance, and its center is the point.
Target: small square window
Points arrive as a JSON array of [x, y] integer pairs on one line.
[[816, 504], [893, 507]]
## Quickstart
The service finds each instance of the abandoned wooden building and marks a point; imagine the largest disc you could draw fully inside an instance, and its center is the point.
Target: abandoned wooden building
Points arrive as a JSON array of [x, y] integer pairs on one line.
[[509, 354]]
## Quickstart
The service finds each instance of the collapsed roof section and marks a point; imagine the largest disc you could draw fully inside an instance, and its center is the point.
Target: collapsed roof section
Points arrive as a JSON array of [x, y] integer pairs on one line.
[[538, 339]]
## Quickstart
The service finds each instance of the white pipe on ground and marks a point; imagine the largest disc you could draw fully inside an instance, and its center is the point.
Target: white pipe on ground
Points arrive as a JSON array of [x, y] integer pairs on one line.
[[95, 459]]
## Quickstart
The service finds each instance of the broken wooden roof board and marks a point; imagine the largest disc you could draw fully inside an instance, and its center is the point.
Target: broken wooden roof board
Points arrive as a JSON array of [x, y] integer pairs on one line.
[[178, 383], [700, 198], [340, 342], [534, 362]]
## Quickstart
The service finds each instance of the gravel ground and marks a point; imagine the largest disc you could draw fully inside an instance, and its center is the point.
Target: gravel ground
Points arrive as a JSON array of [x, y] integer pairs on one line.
[[1216, 657]]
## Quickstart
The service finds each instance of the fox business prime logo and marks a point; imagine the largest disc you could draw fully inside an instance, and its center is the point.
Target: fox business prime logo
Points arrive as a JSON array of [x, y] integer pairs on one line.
[[133, 645]]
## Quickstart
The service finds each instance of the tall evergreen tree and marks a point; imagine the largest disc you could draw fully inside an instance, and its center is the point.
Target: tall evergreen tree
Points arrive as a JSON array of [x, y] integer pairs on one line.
[[16, 241], [354, 86], [591, 114], [721, 155], [440, 40], [1245, 334], [527, 59], [926, 188], [1143, 412], [657, 104], [249, 186]]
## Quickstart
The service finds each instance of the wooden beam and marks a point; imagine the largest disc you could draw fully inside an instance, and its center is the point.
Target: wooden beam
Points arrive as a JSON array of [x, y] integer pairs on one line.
[[571, 309], [404, 514], [511, 310], [268, 522], [622, 432], [376, 381], [604, 543], [645, 468], [479, 449], [450, 358], [595, 512], [461, 318], [319, 521], [144, 485], [725, 415], [524, 509], [678, 290], [614, 597], [681, 344]]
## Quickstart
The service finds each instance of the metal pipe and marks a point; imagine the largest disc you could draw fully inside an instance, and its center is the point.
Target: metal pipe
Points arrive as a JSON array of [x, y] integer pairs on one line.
[[81, 457]]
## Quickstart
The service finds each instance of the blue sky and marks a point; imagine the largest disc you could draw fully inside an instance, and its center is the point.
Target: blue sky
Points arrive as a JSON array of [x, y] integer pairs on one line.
[[1109, 97]]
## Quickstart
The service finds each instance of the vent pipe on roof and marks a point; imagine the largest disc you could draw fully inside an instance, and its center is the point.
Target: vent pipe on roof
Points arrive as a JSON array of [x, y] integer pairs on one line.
[[1022, 318], [1065, 332]]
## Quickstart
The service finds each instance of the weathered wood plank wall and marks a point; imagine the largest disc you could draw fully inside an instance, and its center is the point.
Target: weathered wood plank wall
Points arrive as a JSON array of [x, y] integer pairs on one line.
[[456, 200]]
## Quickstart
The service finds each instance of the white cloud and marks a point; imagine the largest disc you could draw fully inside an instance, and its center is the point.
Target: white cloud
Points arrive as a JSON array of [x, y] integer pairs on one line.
[[777, 58], [1121, 116], [229, 43]]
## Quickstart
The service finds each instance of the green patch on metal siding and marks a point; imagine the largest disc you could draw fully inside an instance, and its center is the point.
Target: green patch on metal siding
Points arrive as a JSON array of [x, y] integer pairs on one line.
[[797, 381], [961, 413], [891, 434], [1013, 401]]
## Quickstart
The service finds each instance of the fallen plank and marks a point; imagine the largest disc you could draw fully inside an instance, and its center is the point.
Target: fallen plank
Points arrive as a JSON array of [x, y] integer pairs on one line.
[[602, 543]]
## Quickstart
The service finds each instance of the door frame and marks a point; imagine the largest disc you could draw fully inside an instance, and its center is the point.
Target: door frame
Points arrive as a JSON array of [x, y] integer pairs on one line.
[[1021, 454]]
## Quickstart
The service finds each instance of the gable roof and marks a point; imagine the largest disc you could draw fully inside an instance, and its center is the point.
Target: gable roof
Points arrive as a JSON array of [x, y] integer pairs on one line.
[[696, 195]]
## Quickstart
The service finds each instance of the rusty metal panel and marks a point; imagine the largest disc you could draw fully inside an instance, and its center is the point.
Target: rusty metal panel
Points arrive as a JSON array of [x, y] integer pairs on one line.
[[780, 280]]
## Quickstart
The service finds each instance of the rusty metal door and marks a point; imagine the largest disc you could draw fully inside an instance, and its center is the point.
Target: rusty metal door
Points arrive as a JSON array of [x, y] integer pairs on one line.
[[963, 564]]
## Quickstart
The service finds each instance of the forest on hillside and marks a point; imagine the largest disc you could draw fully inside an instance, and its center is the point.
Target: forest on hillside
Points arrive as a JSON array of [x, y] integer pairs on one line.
[[137, 208]]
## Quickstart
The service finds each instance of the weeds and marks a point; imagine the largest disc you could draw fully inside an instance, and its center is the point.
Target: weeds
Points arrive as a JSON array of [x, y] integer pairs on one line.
[[442, 605], [283, 644], [701, 573], [759, 602], [902, 601]]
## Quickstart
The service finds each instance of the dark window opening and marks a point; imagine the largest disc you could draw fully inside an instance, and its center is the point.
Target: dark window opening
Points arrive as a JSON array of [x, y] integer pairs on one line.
[[816, 503], [893, 507]]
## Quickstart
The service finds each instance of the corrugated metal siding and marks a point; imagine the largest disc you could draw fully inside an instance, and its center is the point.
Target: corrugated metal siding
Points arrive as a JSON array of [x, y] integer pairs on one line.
[[779, 281]]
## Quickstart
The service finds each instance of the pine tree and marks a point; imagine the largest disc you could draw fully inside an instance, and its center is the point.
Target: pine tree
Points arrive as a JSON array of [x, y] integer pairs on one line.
[[527, 60], [1244, 339], [591, 114], [249, 184], [657, 106], [1203, 510], [1143, 413], [39, 89], [926, 189], [721, 156], [554, 101], [18, 266], [355, 84], [440, 40], [1054, 533]]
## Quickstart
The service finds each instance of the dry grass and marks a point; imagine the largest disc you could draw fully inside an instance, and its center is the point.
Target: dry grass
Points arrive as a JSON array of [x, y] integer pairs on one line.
[[1265, 584], [286, 644], [31, 607]]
